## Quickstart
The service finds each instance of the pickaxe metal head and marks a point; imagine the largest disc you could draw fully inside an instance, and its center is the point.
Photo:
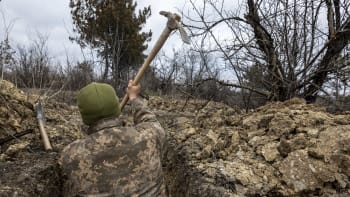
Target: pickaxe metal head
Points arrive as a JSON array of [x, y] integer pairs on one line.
[[174, 22]]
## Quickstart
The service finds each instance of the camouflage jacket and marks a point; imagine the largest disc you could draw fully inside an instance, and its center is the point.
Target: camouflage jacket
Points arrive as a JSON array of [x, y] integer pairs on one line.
[[117, 161]]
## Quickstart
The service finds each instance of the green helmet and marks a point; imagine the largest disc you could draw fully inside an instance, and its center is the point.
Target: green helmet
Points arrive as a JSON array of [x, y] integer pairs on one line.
[[97, 101]]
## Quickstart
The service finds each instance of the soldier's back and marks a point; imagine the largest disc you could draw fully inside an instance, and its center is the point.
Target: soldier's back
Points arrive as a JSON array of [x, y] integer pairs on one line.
[[115, 162]]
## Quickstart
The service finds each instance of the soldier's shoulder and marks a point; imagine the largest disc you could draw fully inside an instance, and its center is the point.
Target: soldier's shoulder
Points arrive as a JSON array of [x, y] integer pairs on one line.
[[68, 147], [155, 125], [151, 129], [72, 149]]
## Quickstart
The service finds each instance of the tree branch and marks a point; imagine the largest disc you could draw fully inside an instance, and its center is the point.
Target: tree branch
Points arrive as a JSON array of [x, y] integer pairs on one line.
[[222, 83]]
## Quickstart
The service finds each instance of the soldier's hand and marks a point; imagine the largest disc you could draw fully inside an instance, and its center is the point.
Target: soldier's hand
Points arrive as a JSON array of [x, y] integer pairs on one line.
[[133, 91]]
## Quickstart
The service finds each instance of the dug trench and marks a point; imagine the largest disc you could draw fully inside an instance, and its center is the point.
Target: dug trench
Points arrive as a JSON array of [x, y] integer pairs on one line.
[[281, 149]]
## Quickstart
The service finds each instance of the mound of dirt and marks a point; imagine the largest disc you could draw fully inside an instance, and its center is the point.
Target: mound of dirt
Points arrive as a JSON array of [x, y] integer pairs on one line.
[[16, 112], [26, 169], [282, 149]]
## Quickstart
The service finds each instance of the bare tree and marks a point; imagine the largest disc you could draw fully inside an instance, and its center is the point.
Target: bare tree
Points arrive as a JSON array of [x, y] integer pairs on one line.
[[6, 51], [78, 75], [190, 71], [33, 68], [287, 39], [166, 68], [6, 56]]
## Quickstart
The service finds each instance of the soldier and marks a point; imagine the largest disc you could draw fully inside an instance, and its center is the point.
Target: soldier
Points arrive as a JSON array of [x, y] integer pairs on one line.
[[114, 160]]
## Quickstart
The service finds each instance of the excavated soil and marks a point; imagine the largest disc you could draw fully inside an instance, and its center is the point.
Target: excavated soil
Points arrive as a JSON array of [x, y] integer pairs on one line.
[[26, 169], [281, 149]]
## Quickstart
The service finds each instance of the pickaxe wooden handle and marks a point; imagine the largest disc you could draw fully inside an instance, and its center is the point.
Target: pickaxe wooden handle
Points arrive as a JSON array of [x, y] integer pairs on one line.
[[172, 24], [41, 117]]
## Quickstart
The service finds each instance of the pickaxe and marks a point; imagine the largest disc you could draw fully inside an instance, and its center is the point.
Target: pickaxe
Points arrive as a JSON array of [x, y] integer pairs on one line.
[[172, 24]]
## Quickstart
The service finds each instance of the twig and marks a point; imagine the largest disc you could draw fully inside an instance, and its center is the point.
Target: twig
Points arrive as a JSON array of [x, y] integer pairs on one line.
[[15, 136], [183, 107]]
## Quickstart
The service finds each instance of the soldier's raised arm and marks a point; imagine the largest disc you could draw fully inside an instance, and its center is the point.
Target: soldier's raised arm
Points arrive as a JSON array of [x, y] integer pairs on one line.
[[141, 111], [144, 119]]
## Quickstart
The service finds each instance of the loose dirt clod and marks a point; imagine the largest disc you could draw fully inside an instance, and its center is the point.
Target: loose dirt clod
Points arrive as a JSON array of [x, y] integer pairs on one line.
[[281, 149]]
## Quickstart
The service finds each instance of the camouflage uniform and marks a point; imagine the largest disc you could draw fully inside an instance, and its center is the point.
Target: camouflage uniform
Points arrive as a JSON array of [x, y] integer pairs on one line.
[[117, 161]]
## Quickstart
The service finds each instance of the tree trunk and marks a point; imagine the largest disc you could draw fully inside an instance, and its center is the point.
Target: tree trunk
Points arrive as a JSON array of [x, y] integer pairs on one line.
[[105, 73], [334, 48], [279, 88]]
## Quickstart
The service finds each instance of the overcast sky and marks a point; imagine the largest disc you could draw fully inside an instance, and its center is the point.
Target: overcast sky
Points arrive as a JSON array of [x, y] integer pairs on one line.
[[52, 18]]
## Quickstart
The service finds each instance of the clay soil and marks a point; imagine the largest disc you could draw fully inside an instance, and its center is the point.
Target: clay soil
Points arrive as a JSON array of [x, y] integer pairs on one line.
[[281, 149]]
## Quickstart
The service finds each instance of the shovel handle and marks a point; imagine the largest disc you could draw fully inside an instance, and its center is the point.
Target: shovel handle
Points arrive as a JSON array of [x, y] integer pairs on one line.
[[160, 42]]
